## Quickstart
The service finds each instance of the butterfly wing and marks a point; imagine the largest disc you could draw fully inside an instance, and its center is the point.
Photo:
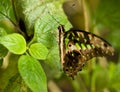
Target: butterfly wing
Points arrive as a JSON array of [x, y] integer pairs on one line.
[[79, 46]]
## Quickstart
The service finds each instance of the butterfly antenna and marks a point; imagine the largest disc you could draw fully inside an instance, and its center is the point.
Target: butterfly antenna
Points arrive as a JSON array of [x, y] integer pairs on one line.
[[60, 27], [54, 18]]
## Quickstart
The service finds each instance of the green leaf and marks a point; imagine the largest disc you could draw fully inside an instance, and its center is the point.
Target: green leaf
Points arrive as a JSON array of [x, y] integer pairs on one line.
[[29, 11], [6, 11], [52, 65], [47, 33], [7, 18], [38, 51], [15, 43], [32, 73]]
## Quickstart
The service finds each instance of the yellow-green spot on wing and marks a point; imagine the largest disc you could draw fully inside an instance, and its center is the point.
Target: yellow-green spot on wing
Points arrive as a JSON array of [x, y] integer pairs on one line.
[[73, 34], [88, 46], [78, 34], [78, 46], [82, 35], [85, 40], [90, 37], [77, 39], [83, 46], [67, 35], [98, 46], [93, 46], [66, 41]]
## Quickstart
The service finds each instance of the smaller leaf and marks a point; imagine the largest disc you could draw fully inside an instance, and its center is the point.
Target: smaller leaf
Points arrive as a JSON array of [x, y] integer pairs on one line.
[[38, 51], [32, 73], [15, 43]]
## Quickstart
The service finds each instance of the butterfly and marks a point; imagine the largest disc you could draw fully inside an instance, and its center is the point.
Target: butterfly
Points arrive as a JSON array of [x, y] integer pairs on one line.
[[78, 46]]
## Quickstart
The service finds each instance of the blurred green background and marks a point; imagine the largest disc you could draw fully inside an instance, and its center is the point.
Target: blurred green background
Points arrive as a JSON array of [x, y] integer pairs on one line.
[[41, 19]]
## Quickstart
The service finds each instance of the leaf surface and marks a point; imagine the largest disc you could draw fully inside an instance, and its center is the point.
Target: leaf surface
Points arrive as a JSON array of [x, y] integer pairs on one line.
[[32, 73]]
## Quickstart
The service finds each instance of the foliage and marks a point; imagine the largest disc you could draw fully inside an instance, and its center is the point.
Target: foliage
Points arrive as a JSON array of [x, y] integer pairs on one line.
[[29, 44]]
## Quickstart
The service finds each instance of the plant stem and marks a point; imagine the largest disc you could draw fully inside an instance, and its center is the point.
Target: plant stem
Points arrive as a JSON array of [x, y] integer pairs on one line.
[[86, 15]]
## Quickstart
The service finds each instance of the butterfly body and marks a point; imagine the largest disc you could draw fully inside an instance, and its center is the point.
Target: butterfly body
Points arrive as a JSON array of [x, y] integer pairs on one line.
[[78, 46]]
